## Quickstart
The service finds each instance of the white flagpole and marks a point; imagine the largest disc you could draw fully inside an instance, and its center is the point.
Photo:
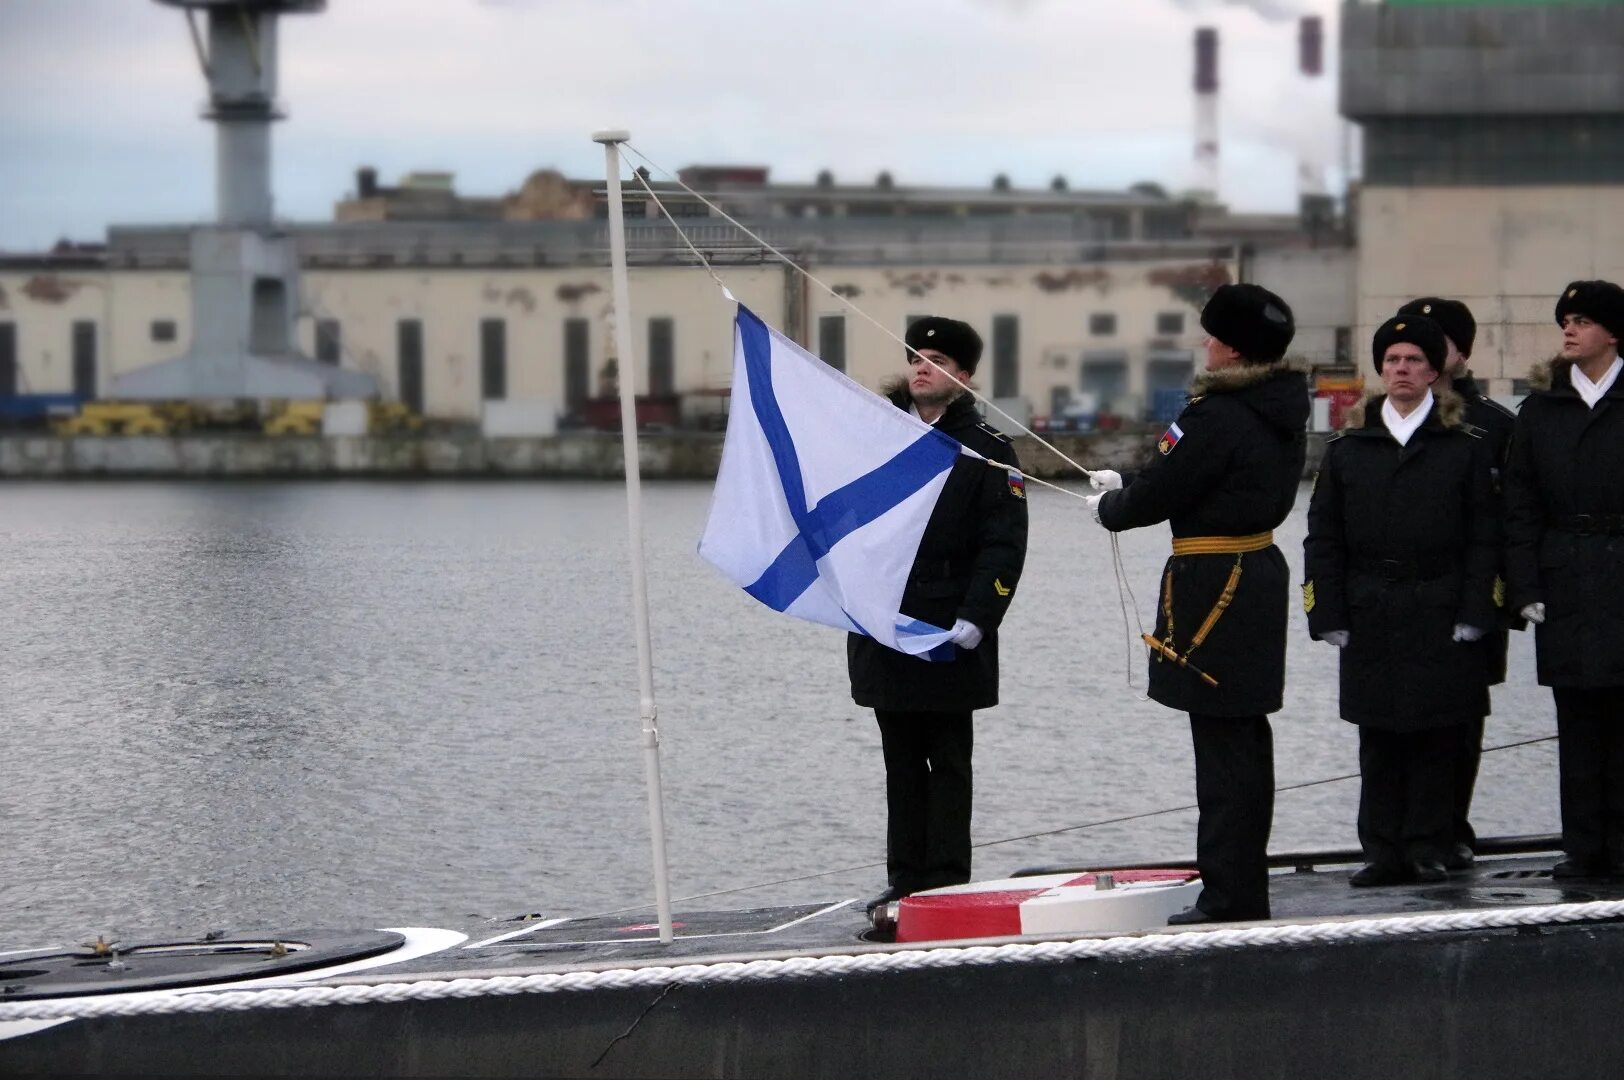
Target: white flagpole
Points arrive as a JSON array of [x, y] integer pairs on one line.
[[627, 370]]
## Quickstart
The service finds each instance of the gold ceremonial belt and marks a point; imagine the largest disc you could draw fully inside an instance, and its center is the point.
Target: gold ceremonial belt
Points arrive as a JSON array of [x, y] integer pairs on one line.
[[1222, 545]]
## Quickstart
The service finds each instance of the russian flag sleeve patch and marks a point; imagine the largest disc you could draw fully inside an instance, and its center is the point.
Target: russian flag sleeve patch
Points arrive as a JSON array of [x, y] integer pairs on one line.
[[1170, 439]]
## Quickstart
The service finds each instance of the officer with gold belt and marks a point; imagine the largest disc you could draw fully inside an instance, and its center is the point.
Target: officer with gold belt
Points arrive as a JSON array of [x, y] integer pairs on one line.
[[1225, 475]]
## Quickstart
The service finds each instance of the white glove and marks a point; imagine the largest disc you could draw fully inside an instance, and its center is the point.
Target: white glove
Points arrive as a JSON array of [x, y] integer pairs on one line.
[[966, 635], [1467, 633], [1093, 504], [1105, 480], [1339, 638], [1534, 613]]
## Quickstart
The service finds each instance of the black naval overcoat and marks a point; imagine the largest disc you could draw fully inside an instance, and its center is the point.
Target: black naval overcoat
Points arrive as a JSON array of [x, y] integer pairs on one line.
[[1402, 545], [1229, 466], [1565, 528], [968, 564], [1495, 422]]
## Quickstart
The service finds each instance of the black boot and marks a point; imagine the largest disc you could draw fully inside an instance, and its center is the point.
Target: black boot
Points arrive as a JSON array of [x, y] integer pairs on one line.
[[1572, 867], [1428, 870], [1377, 874], [1190, 916], [891, 893]]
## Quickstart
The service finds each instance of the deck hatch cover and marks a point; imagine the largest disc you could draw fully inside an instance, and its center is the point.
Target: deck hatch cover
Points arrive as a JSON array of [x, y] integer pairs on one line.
[[166, 965]]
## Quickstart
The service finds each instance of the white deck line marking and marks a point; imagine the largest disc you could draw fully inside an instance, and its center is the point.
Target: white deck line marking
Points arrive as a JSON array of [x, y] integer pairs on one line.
[[626, 941], [539, 924], [807, 918], [621, 941]]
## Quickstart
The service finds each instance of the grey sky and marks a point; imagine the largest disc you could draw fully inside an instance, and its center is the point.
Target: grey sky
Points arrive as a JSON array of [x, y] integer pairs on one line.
[[99, 98]]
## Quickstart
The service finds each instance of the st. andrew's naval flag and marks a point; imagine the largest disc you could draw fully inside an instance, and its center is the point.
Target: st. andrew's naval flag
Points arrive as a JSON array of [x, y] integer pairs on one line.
[[823, 493]]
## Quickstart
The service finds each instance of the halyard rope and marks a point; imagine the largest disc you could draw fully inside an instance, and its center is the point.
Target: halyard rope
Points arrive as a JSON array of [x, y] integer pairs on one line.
[[793, 265], [1161, 944], [641, 179], [1117, 568]]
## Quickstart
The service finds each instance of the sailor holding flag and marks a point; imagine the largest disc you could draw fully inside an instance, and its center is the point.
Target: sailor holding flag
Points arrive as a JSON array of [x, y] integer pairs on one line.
[[900, 521], [1225, 475], [963, 576]]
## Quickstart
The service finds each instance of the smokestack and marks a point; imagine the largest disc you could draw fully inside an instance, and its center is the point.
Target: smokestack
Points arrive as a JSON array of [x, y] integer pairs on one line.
[[1311, 65], [1311, 46], [1206, 113]]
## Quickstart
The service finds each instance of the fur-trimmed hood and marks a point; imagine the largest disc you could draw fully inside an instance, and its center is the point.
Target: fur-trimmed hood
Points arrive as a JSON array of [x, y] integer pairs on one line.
[[896, 388], [1548, 373], [960, 411], [1276, 392], [1447, 406], [1230, 379], [1556, 376]]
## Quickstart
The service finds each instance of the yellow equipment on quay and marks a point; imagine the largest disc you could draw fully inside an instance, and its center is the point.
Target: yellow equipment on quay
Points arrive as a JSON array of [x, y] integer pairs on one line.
[[305, 418], [130, 418], [281, 417]]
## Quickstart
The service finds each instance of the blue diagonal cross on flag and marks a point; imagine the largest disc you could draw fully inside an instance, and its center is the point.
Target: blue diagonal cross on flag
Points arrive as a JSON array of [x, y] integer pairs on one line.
[[823, 493]]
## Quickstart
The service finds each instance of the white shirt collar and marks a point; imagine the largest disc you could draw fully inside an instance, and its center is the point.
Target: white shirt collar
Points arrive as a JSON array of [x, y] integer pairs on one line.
[[915, 410], [1592, 392], [1402, 427]]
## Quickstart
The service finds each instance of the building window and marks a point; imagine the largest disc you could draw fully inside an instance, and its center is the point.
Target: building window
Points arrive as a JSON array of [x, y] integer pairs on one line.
[[8, 359], [492, 359], [577, 363], [1170, 324], [832, 340], [1102, 324], [1344, 346], [1059, 400], [1006, 354], [162, 330], [1105, 379], [662, 360], [409, 362], [329, 341], [84, 359]]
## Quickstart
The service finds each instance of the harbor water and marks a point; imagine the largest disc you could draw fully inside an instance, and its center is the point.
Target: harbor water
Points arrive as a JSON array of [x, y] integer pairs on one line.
[[282, 705]]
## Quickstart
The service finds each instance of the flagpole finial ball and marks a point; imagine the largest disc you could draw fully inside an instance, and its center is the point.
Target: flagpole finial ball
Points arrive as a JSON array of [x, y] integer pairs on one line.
[[612, 135]]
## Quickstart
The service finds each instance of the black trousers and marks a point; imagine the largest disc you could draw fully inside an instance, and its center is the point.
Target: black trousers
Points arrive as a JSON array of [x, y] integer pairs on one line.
[[1468, 756], [1234, 788], [1407, 793], [927, 798], [1590, 730]]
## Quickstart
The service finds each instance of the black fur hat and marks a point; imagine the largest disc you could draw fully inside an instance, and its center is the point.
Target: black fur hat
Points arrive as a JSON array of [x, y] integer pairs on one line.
[[1601, 301], [1453, 316], [958, 340], [1417, 330], [1251, 320]]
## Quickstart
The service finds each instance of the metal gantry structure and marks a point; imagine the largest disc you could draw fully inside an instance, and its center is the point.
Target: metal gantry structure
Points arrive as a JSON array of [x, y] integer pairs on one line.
[[245, 294]]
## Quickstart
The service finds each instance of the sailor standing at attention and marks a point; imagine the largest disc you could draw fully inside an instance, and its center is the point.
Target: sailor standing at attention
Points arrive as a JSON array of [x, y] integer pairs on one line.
[[1225, 475], [1494, 422], [1565, 560], [963, 577], [1403, 541]]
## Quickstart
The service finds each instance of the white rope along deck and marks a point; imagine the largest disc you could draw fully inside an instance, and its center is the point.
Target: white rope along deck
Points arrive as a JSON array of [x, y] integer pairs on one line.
[[1185, 943]]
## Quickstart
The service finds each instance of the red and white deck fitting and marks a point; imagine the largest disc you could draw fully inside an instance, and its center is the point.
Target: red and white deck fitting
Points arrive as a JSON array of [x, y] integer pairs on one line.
[[1050, 904]]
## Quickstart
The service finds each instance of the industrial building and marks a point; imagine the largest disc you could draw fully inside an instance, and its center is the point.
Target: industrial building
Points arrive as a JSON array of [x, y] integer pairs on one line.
[[1493, 161], [1088, 301], [1493, 146]]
